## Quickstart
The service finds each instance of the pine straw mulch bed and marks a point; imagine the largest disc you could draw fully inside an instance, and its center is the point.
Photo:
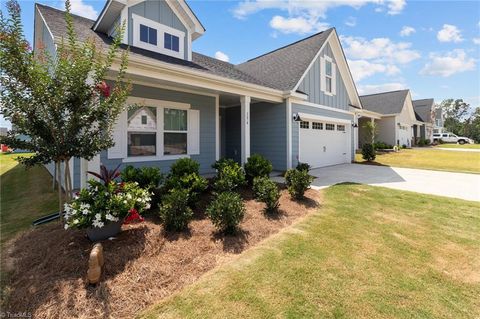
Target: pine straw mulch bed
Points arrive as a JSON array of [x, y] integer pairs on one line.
[[47, 265]]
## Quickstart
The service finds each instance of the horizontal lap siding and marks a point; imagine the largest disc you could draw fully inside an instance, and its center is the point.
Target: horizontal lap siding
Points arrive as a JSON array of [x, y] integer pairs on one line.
[[206, 106], [268, 133], [298, 108]]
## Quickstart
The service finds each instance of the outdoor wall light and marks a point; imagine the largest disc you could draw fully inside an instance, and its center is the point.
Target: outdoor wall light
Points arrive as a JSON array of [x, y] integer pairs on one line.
[[296, 117], [354, 124]]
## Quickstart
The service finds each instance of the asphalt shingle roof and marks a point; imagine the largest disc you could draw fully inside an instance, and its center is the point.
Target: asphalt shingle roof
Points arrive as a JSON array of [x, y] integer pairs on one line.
[[424, 109], [280, 69], [385, 103]]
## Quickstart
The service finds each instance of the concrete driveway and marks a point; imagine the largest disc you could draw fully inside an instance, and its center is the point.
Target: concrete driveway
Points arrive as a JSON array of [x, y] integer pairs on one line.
[[456, 185]]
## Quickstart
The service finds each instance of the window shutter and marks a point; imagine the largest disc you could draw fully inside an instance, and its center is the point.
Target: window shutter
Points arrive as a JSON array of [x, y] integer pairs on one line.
[[119, 134], [322, 74], [334, 78], [193, 140]]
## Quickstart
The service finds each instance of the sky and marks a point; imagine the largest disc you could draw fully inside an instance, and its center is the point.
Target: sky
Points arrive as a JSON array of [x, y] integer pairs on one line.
[[429, 47]]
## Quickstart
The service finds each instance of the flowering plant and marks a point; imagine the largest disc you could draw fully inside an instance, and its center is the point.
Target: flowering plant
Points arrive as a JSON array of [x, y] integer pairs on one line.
[[104, 203]]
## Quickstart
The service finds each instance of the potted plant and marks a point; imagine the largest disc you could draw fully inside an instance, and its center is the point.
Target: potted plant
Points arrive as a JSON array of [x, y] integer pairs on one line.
[[103, 207]]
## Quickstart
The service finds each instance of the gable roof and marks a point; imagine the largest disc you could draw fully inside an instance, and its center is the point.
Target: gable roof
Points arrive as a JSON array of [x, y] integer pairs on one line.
[[284, 67], [424, 109], [386, 102]]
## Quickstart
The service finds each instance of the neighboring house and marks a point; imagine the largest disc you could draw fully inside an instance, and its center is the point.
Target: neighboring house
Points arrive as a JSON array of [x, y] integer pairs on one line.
[[439, 120], [296, 103], [425, 112], [396, 124]]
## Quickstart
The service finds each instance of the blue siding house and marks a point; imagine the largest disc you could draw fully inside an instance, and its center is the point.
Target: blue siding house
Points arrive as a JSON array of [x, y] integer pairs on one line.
[[295, 104]]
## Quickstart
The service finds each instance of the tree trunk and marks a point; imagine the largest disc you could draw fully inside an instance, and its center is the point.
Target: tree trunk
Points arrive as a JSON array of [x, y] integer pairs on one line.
[[54, 180], [68, 180]]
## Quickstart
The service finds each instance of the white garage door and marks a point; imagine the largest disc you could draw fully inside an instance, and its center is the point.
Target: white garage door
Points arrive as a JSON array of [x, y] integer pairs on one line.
[[324, 143]]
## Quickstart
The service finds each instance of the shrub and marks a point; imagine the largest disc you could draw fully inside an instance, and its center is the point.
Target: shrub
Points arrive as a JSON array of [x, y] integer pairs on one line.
[[382, 146], [427, 141], [303, 167], [184, 166], [230, 176], [146, 177], [266, 191], [174, 210], [193, 183], [257, 166], [226, 211], [297, 182], [404, 146], [368, 152], [421, 142]]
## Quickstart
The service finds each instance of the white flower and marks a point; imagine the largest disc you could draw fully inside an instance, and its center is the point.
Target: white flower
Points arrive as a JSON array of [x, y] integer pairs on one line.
[[76, 221], [106, 194], [125, 201], [110, 217], [129, 196], [65, 226], [98, 216], [147, 206], [85, 211], [98, 224]]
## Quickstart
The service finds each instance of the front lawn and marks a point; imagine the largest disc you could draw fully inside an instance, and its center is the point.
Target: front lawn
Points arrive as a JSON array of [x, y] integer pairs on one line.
[[428, 158], [474, 146], [368, 252], [25, 195]]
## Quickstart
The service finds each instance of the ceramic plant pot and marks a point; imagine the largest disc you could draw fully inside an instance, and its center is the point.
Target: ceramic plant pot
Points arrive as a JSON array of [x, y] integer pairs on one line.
[[109, 230]]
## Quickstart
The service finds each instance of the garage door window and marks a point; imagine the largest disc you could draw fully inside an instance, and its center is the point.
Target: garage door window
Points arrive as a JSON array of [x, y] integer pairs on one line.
[[317, 126], [304, 124], [330, 127], [341, 128]]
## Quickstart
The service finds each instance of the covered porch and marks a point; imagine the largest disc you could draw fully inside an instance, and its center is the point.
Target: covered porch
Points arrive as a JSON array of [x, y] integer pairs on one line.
[[365, 120]]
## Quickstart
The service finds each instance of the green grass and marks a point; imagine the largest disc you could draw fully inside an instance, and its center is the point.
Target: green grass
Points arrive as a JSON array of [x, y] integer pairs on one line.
[[24, 196], [369, 252], [474, 146], [465, 162]]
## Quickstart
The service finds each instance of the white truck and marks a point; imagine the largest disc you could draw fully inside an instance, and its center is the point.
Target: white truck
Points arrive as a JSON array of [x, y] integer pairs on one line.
[[451, 138]]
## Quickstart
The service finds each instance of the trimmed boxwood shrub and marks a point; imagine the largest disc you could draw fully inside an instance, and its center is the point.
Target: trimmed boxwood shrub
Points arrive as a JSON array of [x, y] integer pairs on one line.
[[146, 177], [230, 175], [174, 210], [257, 166], [303, 167], [226, 211], [266, 191], [368, 152], [184, 166], [297, 182]]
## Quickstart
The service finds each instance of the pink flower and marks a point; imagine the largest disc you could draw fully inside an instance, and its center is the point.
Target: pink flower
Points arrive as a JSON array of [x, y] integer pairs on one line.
[[132, 216], [103, 88]]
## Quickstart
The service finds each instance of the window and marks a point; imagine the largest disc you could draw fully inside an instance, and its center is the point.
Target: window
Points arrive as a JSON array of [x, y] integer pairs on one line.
[[171, 42], [444, 135], [148, 35], [142, 131], [330, 127], [304, 124], [175, 132], [341, 128], [328, 76], [317, 126]]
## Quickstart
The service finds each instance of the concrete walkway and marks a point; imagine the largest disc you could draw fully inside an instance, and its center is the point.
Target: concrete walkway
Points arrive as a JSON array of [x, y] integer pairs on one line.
[[475, 150], [455, 185]]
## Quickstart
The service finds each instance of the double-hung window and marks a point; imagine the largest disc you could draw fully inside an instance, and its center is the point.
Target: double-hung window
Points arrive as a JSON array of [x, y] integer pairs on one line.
[[171, 42], [142, 131], [148, 35], [175, 131], [328, 76]]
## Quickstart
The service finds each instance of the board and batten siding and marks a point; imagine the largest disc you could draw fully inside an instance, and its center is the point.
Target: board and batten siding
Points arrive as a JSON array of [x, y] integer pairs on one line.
[[206, 106], [311, 84], [158, 11], [299, 108]]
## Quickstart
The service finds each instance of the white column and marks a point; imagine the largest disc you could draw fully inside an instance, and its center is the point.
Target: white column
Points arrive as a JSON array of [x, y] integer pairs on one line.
[[245, 127], [373, 123]]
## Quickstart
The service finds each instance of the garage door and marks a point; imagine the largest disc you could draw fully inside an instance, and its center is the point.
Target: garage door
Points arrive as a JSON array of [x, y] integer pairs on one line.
[[324, 143]]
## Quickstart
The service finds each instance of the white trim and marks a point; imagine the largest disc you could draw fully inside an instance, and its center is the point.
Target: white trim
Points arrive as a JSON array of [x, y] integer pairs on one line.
[[217, 128], [46, 25], [311, 63], [245, 128], [161, 30], [324, 76], [326, 119], [153, 158], [178, 15], [157, 103], [99, 19], [319, 106], [289, 133]]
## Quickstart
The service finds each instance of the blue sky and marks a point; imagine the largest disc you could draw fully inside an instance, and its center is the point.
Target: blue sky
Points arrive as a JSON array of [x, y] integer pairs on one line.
[[430, 47]]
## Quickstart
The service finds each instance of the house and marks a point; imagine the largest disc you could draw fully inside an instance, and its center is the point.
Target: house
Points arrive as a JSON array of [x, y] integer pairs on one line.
[[297, 103], [397, 117], [439, 121], [425, 112]]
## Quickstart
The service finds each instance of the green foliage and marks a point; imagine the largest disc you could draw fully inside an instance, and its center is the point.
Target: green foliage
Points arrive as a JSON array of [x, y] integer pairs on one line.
[[297, 182], [193, 183], [303, 167], [368, 152], [423, 142], [146, 177], [404, 146], [266, 191], [226, 211], [257, 166], [174, 210], [382, 146], [184, 166], [371, 130], [230, 176]]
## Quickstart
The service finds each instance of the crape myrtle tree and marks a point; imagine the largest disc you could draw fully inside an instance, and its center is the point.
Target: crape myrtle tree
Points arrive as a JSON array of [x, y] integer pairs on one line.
[[60, 101]]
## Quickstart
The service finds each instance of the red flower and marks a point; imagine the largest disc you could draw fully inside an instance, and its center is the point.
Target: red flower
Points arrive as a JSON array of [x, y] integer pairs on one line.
[[132, 216], [103, 88]]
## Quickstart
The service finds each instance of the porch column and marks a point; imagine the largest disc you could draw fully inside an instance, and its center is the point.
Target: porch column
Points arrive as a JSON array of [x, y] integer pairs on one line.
[[245, 127], [373, 131]]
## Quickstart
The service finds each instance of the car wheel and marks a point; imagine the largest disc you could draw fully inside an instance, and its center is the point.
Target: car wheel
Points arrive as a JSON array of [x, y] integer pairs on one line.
[[461, 142]]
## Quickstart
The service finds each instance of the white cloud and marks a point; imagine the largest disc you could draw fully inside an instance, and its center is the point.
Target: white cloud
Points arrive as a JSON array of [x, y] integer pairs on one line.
[[446, 65], [297, 25], [406, 31], [449, 33], [80, 8], [219, 55], [476, 41], [362, 69], [396, 6], [379, 88], [351, 22], [381, 49]]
